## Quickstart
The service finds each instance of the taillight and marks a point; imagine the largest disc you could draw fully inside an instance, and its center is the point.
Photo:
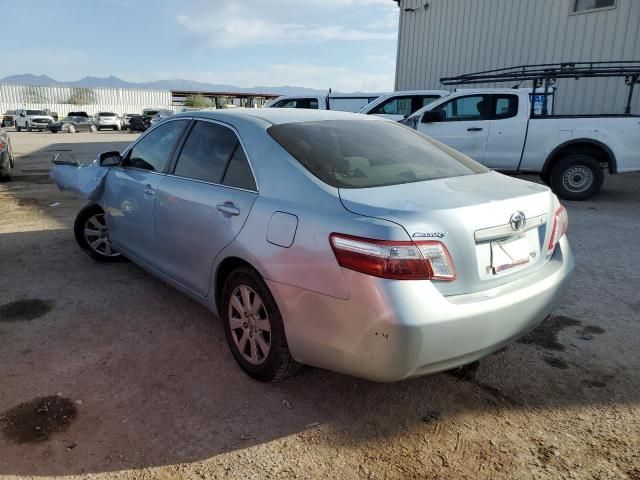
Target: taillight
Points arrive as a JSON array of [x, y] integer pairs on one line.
[[559, 228], [400, 260]]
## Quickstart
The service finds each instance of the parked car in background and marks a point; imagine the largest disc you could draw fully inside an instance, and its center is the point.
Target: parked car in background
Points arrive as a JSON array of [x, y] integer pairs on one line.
[[126, 118], [72, 125], [107, 120], [339, 240], [53, 115], [161, 115], [7, 118], [345, 102], [139, 123], [31, 119], [6, 155], [399, 105], [494, 127], [78, 114]]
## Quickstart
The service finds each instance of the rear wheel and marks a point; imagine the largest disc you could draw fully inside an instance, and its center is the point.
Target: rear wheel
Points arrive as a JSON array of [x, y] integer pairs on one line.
[[92, 234], [5, 171], [253, 327], [576, 177]]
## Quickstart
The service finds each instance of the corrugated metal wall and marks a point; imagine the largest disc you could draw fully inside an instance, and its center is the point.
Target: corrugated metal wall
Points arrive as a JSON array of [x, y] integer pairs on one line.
[[91, 100], [452, 37]]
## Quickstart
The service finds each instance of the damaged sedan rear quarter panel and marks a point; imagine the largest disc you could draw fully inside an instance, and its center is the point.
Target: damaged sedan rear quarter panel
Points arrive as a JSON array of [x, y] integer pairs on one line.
[[202, 195]]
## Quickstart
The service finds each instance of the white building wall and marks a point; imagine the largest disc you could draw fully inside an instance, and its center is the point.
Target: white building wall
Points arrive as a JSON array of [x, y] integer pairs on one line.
[[452, 37]]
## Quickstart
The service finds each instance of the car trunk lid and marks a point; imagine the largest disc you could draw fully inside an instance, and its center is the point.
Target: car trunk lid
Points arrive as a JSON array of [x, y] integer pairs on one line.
[[472, 216]]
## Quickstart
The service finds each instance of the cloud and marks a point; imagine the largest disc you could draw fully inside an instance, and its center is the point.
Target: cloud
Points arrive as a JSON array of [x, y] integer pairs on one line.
[[250, 22]]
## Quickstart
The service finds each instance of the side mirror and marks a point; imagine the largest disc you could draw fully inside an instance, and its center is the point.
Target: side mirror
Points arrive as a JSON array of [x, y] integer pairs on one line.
[[433, 116], [109, 159], [22, 114]]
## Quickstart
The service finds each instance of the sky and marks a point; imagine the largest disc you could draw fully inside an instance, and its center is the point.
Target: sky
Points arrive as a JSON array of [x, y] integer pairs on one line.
[[347, 45]]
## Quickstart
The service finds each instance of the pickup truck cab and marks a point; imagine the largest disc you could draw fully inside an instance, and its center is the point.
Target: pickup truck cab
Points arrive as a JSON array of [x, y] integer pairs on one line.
[[345, 102], [399, 105], [495, 128]]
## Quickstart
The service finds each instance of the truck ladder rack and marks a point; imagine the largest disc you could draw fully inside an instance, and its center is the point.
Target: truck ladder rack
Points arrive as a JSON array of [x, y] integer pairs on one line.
[[548, 73]]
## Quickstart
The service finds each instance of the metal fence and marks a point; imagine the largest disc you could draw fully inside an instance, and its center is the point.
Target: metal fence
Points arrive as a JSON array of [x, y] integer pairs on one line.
[[91, 100]]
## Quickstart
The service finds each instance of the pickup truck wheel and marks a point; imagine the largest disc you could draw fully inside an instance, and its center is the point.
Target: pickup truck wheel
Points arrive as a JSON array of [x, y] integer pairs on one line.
[[253, 327], [92, 234], [577, 177], [18, 129]]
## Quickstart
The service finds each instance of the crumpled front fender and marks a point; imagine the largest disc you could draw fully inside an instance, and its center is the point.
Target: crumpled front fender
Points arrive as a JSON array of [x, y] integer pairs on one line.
[[86, 180]]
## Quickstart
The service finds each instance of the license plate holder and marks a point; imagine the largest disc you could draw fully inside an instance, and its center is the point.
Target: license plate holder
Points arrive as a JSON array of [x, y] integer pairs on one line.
[[509, 253]]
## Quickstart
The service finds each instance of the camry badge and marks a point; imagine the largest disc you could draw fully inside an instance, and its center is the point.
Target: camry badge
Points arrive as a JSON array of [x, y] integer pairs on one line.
[[518, 221]]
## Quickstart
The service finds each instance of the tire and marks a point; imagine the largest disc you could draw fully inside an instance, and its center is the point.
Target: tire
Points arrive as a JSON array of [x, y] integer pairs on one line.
[[97, 246], [93, 129], [263, 328], [18, 129], [576, 177], [28, 127], [5, 173], [117, 128], [72, 129]]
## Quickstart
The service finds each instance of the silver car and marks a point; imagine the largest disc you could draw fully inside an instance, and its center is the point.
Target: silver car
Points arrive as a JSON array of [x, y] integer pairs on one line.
[[338, 240]]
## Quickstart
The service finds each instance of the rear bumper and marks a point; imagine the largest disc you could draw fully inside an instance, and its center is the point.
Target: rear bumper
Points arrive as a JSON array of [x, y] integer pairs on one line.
[[391, 330]]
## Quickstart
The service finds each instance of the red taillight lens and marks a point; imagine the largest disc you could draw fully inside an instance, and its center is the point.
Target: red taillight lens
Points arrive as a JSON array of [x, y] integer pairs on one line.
[[559, 228], [406, 260]]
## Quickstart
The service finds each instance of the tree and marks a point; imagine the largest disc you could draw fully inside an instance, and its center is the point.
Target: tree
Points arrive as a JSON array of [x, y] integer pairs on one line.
[[197, 101], [81, 96]]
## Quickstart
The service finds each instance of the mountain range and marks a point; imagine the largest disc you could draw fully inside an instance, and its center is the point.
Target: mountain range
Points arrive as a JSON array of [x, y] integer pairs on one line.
[[174, 84]]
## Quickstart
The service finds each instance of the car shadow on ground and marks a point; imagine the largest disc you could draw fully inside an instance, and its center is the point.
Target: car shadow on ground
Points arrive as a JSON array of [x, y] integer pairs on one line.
[[149, 381]]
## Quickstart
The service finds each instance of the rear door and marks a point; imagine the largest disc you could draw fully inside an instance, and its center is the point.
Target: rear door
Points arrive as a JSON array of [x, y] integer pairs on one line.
[[203, 204], [130, 190], [507, 133], [465, 126]]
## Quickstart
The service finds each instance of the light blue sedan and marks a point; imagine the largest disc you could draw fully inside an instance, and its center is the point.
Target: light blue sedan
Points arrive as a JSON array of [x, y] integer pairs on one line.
[[338, 240]]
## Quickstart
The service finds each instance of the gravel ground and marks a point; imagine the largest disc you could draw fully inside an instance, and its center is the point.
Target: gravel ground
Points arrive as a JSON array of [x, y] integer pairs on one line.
[[106, 372]]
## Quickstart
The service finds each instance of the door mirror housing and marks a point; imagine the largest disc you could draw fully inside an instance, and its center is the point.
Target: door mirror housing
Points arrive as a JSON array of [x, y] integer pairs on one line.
[[433, 116], [109, 159]]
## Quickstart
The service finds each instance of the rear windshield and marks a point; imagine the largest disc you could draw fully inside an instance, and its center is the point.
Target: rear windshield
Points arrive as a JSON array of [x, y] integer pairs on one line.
[[107, 114], [364, 153], [36, 112]]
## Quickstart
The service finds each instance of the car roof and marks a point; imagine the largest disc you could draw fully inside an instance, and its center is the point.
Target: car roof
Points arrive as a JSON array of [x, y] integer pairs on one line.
[[276, 116]]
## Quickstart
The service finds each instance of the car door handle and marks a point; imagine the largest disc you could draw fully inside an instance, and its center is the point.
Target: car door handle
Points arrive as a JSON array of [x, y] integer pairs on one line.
[[228, 208], [148, 190], [474, 129]]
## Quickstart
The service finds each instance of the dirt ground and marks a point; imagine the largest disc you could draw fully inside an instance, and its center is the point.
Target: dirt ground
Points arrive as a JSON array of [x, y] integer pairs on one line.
[[106, 372]]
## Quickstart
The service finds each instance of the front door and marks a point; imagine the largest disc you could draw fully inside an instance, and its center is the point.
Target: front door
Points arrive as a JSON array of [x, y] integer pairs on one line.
[[202, 205], [465, 126], [130, 190]]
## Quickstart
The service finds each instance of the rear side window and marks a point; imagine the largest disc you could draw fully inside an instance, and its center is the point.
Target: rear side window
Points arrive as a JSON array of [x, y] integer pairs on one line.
[[506, 106], [474, 107], [368, 153], [394, 106], [155, 149], [212, 153]]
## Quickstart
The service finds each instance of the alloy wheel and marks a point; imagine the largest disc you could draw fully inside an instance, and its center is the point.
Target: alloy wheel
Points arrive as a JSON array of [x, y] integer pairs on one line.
[[249, 324], [96, 233]]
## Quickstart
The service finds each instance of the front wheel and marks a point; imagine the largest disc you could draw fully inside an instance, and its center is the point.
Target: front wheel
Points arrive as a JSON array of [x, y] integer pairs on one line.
[[28, 127], [18, 128], [92, 234], [93, 129], [576, 177], [72, 129], [254, 328]]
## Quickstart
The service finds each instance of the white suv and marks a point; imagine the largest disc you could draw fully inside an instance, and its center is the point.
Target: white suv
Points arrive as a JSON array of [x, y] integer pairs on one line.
[[31, 119], [107, 120]]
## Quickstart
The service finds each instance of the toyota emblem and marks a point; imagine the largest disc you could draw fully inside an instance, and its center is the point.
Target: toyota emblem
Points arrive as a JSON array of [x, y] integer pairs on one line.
[[518, 221]]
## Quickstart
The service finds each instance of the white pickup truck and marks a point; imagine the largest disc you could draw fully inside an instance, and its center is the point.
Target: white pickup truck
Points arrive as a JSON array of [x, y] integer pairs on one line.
[[345, 102], [493, 126]]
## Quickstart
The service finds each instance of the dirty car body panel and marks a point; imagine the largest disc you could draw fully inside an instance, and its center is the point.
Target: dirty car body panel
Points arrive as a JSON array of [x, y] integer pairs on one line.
[[305, 229]]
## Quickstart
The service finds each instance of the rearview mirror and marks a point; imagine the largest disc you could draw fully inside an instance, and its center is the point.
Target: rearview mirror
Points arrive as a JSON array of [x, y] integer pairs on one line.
[[433, 116], [109, 159]]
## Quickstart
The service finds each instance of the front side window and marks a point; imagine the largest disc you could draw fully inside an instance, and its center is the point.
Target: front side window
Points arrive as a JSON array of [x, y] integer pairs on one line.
[[394, 106], [155, 149], [426, 100], [311, 103], [474, 107], [584, 5], [369, 153]]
